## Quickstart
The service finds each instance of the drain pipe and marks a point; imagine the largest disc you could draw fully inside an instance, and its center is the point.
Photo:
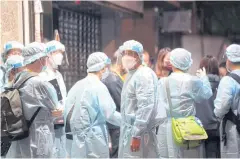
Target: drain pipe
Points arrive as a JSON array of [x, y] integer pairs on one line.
[[37, 14]]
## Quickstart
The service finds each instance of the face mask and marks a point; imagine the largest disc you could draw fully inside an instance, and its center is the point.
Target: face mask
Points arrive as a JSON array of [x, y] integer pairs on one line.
[[105, 74], [57, 58], [128, 62], [53, 64]]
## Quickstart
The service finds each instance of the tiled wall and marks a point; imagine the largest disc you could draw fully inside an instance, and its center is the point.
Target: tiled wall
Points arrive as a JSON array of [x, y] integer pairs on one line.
[[11, 22]]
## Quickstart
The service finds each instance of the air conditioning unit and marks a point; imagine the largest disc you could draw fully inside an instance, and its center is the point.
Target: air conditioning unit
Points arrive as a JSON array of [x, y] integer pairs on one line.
[[177, 21]]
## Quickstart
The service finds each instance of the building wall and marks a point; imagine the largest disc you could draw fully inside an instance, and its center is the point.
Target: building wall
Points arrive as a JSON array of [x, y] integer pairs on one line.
[[116, 30], [11, 22], [141, 29], [210, 45]]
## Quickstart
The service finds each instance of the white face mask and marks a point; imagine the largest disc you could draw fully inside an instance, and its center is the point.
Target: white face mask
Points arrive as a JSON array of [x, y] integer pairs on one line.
[[105, 74], [128, 62], [57, 58]]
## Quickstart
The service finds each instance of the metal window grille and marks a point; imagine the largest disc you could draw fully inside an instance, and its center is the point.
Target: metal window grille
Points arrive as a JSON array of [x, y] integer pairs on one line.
[[80, 33]]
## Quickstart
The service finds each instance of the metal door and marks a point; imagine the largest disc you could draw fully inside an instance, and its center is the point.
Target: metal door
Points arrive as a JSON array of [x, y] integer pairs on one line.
[[80, 33]]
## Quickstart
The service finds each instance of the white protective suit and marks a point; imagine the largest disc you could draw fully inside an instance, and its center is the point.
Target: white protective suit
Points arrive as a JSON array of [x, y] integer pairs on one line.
[[227, 96], [138, 110], [60, 140], [36, 93], [185, 90], [93, 106]]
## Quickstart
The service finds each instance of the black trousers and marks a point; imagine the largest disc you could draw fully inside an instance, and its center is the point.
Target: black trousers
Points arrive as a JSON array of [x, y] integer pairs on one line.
[[114, 134], [212, 144]]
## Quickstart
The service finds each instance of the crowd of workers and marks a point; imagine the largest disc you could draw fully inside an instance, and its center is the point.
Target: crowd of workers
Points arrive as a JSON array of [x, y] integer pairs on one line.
[[124, 107]]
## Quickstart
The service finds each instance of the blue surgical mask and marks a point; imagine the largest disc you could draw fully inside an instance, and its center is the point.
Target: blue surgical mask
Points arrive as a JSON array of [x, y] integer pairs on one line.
[[105, 74]]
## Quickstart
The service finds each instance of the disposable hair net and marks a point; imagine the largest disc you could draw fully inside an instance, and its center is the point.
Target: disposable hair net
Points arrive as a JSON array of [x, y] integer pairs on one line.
[[233, 53], [97, 61], [12, 45], [181, 59], [9, 46], [33, 52], [133, 45], [54, 46], [14, 61]]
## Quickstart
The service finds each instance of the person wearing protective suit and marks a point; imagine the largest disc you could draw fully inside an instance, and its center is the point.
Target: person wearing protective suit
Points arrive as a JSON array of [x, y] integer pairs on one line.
[[35, 93], [138, 105], [89, 105], [114, 83], [2, 77], [55, 51], [227, 101], [185, 91], [10, 48]]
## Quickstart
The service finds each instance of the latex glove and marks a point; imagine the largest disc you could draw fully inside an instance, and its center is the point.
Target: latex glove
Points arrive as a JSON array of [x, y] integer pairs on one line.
[[201, 72], [110, 146], [135, 144], [57, 113], [109, 142]]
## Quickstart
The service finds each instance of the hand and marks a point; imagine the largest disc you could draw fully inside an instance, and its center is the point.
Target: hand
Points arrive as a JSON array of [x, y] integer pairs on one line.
[[135, 144], [110, 146], [201, 72], [57, 113]]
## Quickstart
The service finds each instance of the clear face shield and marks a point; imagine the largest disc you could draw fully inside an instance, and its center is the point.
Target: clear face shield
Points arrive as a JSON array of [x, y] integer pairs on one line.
[[64, 62]]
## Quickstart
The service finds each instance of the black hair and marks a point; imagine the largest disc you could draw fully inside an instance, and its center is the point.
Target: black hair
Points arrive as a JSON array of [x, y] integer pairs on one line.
[[223, 64], [211, 64]]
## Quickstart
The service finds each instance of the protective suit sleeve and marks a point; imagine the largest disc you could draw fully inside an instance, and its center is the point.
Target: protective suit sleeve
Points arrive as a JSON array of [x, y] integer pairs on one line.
[[201, 89], [108, 106], [223, 100], [46, 94], [161, 103], [145, 95]]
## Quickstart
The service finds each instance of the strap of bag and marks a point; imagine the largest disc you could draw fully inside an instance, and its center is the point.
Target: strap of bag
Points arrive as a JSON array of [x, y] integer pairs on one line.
[[33, 117], [168, 96], [23, 80], [235, 77], [68, 127]]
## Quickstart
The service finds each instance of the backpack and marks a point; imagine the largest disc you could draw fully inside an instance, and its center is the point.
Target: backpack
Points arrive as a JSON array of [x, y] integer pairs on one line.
[[14, 126], [230, 115]]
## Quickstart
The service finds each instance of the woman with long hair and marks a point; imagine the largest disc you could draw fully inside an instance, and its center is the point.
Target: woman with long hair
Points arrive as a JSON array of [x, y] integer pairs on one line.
[[204, 109], [163, 65]]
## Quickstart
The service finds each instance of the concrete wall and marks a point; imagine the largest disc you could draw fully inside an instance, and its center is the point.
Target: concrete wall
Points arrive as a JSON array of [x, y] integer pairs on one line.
[[142, 30], [116, 30], [11, 22], [110, 25], [210, 45]]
